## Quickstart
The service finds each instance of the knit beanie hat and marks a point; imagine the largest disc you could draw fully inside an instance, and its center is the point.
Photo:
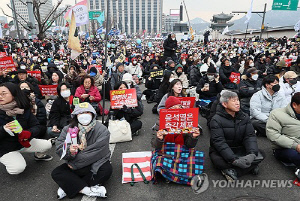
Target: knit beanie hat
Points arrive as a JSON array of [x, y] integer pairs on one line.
[[171, 101], [211, 70]]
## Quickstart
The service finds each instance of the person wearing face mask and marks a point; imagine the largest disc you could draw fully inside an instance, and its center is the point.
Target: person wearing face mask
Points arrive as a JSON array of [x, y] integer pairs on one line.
[[175, 89], [261, 64], [152, 83], [291, 84], [195, 74], [131, 84], [283, 131], [264, 101], [71, 78], [170, 47], [87, 160], [95, 74], [250, 84], [209, 85], [248, 64], [134, 68], [225, 71], [60, 113], [118, 75], [179, 74]]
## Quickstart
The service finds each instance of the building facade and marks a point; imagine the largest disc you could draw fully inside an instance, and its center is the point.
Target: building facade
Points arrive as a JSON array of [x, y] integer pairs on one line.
[[170, 22], [132, 16], [22, 10], [220, 21]]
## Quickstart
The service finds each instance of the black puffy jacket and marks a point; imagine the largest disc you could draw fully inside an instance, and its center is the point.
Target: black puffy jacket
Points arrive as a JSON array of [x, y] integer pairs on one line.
[[214, 88], [228, 133], [170, 46], [60, 113], [41, 112], [246, 89], [225, 72], [195, 75], [28, 122]]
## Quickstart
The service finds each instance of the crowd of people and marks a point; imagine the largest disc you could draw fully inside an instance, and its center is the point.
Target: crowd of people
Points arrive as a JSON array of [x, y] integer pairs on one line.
[[248, 88]]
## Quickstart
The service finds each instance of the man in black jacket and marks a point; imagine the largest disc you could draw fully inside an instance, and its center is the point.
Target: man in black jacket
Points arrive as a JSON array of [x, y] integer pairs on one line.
[[170, 46], [233, 141]]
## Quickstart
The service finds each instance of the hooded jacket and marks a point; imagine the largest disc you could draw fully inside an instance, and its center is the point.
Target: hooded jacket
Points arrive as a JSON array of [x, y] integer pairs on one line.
[[183, 78], [283, 128], [97, 151], [228, 133], [170, 46], [262, 103]]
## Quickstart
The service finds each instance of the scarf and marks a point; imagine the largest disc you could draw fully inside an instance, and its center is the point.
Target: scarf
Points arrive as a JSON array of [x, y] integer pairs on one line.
[[11, 109], [83, 130], [33, 104]]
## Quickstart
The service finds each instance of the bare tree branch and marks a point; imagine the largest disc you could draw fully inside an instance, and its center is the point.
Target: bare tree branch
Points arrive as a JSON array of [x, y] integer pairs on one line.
[[17, 13], [15, 19], [23, 2], [55, 17]]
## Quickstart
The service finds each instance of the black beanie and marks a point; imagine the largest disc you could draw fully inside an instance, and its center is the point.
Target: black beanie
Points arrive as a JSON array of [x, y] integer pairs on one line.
[[211, 70]]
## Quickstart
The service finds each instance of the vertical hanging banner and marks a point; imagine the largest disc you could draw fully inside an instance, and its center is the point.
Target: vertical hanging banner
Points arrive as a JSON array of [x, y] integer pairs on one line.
[[73, 42], [81, 13], [291, 5]]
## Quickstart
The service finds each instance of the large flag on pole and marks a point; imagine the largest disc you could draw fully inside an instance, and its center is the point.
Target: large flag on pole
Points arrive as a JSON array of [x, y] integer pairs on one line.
[[81, 13], [73, 42], [225, 30], [249, 14]]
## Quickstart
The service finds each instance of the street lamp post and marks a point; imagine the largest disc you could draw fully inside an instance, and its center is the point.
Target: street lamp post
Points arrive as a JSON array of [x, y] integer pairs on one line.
[[15, 16]]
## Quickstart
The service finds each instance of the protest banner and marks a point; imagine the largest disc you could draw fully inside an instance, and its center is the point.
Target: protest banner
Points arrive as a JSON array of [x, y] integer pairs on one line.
[[99, 67], [7, 63], [178, 118], [48, 90], [288, 62], [156, 73], [36, 74], [119, 98], [235, 78], [2, 54], [187, 102]]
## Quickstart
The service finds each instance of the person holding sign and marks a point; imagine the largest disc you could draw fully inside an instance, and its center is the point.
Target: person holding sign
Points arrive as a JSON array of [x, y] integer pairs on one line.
[[225, 72], [60, 113], [233, 143], [18, 129], [129, 114], [84, 145]]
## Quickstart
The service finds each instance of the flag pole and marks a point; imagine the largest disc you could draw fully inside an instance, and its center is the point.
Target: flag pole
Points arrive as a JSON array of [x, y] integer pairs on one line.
[[104, 64]]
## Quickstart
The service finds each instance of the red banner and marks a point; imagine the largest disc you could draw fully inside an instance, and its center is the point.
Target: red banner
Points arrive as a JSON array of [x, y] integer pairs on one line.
[[187, 102], [48, 90], [288, 62], [7, 63], [184, 56], [36, 74], [235, 78], [99, 67], [178, 118], [119, 98], [2, 54]]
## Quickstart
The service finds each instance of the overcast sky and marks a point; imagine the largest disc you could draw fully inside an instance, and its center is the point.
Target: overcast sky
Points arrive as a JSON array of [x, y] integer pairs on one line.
[[196, 8]]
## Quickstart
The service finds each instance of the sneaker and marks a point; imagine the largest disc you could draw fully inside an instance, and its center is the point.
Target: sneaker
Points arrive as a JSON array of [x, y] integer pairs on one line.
[[255, 170], [44, 157], [297, 173], [61, 193], [53, 140], [230, 174], [100, 191]]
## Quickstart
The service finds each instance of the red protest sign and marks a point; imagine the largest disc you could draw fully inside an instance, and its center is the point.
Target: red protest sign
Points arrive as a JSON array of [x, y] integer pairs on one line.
[[235, 78], [184, 56], [119, 98], [178, 118], [36, 74], [7, 63], [187, 102], [48, 90], [99, 68], [2, 54], [288, 62]]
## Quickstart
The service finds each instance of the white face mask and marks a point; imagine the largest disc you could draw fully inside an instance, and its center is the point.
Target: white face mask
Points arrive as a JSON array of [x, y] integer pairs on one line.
[[134, 62], [255, 77], [171, 79], [173, 38], [84, 119], [211, 78], [65, 94], [183, 63], [252, 65], [23, 67], [242, 62]]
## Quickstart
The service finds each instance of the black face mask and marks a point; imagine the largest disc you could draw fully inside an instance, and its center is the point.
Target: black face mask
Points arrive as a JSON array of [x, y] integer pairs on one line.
[[27, 92], [179, 73], [276, 88], [293, 81]]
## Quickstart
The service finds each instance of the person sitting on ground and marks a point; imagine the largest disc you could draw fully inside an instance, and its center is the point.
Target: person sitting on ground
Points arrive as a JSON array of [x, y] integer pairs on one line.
[[60, 113], [225, 72], [128, 78], [283, 128], [175, 89], [179, 74], [87, 155], [264, 101], [131, 115], [250, 84], [18, 129], [291, 85], [152, 84], [233, 144], [99, 79], [118, 75]]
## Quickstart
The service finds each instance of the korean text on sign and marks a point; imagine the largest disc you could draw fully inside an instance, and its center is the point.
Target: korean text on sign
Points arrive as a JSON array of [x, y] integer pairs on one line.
[[7, 63], [48, 90], [178, 118], [187, 102], [119, 98], [36, 74]]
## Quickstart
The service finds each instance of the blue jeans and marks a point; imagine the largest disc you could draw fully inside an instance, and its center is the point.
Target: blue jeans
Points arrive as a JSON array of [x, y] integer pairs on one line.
[[51, 133], [287, 156]]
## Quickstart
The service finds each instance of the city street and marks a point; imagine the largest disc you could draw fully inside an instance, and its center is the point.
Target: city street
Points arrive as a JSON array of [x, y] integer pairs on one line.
[[36, 184]]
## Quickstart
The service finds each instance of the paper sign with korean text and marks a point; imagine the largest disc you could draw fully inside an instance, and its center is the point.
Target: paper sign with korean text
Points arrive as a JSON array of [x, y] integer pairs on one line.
[[187, 102], [235, 77], [119, 98], [48, 90], [36, 74], [178, 118], [7, 63], [156, 73], [2, 54]]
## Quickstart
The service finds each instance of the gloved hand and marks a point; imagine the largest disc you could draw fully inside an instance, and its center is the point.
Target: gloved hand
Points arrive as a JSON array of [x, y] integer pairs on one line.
[[24, 138], [249, 158], [245, 161]]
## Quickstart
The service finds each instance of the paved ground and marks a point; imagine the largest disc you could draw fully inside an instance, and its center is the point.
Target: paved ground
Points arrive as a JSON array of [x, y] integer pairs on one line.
[[35, 184]]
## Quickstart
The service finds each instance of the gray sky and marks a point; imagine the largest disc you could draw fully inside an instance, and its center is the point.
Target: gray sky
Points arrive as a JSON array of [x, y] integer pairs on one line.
[[196, 8]]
